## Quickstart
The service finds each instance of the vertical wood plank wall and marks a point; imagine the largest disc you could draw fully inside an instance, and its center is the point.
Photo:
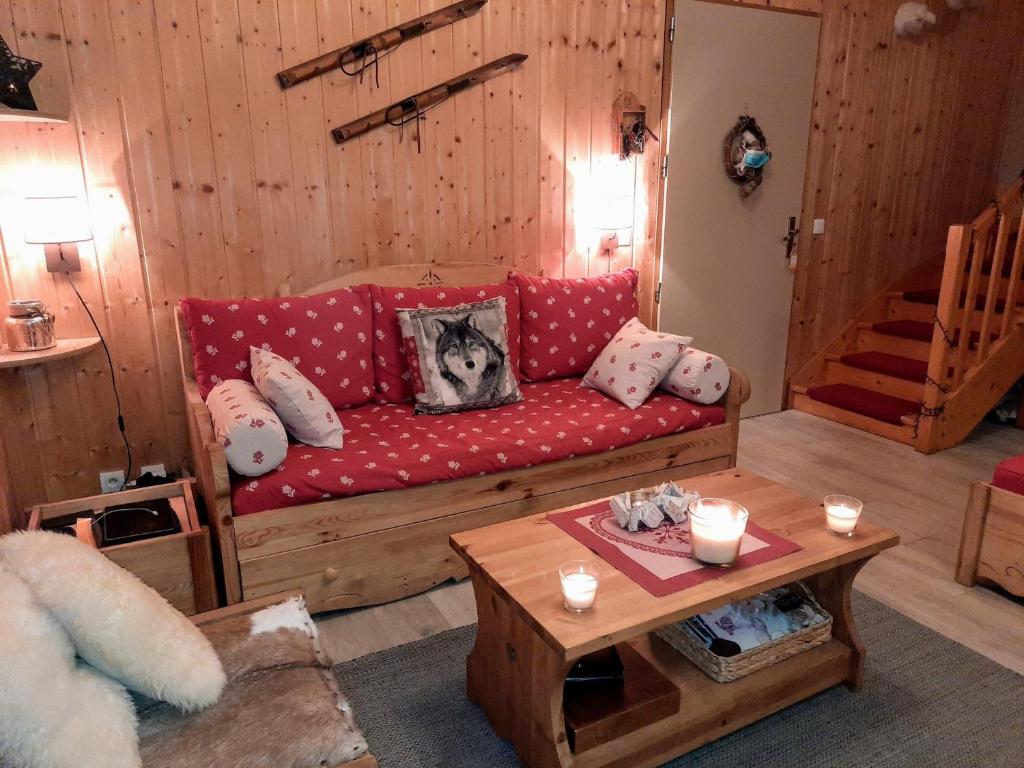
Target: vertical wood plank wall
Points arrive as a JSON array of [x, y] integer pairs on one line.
[[906, 140], [204, 178]]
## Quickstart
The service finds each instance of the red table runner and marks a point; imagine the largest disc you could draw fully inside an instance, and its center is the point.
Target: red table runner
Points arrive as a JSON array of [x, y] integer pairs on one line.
[[659, 560]]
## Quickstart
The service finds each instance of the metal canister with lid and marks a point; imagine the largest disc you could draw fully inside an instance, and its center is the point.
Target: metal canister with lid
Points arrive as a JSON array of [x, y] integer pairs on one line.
[[28, 326]]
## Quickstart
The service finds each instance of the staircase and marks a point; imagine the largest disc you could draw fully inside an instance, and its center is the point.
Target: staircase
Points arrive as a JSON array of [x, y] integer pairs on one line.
[[928, 357]]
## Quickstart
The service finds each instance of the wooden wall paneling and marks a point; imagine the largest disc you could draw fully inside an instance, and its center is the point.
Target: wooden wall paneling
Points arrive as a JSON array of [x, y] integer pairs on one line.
[[412, 192], [145, 129], [441, 227], [578, 234], [205, 179], [15, 407], [553, 62], [889, 192], [498, 132], [471, 184], [378, 163], [915, 236], [832, 62], [94, 77], [54, 166], [261, 57], [849, 199], [191, 144], [627, 63], [526, 111], [605, 171], [344, 162], [220, 34], [23, 467], [308, 141], [649, 74]]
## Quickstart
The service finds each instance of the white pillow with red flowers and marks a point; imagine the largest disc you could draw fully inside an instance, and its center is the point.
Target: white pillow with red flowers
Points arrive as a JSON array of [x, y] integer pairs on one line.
[[253, 437], [306, 414], [633, 363], [698, 376]]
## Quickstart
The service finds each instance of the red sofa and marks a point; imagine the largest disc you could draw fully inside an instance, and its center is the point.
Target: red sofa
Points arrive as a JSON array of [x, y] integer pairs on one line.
[[369, 523]]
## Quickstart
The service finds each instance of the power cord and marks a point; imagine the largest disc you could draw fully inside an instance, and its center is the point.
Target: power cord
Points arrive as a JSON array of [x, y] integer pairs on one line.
[[113, 381]]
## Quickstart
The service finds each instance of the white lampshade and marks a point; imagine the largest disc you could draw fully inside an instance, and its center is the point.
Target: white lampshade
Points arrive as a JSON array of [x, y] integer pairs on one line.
[[63, 219]]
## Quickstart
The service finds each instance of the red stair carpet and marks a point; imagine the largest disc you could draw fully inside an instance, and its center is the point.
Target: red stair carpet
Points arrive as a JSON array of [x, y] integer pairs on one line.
[[917, 330], [931, 296], [865, 402], [891, 365]]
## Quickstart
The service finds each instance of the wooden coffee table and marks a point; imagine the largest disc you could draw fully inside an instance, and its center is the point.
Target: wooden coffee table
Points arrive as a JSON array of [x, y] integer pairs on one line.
[[527, 642]]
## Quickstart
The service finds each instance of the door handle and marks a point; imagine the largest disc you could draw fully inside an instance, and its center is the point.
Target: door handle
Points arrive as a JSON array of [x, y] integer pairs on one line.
[[791, 236]]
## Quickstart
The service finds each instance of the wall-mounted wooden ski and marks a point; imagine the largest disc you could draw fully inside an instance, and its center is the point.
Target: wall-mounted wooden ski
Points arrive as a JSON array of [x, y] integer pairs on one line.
[[378, 44], [407, 109]]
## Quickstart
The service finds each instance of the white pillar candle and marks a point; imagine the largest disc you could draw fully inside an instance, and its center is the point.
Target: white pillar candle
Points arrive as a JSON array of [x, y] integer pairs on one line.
[[716, 531], [842, 513], [579, 585]]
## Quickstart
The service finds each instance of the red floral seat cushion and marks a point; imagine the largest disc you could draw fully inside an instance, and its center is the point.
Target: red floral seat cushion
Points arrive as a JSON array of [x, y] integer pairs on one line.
[[326, 336], [390, 357], [567, 322], [387, 447]]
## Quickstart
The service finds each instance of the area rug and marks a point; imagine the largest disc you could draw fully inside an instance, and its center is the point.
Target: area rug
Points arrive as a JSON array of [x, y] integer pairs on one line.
[[927, 702]]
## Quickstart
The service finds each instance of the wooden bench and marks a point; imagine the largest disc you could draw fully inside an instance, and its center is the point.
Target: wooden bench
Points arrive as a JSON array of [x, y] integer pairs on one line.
[[378, 547], [992, 540]]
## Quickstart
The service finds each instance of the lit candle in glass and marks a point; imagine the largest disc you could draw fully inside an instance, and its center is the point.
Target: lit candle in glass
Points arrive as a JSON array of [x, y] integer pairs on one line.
[[716, 531], [579, 585], [842, 513]]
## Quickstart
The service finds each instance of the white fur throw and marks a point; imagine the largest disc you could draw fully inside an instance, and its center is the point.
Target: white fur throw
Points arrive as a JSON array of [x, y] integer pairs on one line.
[[118, 624], [52, 714]]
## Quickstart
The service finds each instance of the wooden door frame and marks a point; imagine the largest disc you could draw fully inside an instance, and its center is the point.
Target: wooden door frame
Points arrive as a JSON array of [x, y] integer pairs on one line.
[[663, 146]]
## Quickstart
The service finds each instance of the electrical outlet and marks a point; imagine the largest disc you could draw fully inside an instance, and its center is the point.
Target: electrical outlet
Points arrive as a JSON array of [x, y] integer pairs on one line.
[[111, 482], [156, 470], [819, 227]]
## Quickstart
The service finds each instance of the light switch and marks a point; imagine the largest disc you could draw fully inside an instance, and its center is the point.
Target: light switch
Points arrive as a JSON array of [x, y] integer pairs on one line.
[[819, 227]]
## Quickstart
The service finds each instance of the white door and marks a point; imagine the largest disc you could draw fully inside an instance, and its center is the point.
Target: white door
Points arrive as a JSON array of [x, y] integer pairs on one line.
[[725, 277]]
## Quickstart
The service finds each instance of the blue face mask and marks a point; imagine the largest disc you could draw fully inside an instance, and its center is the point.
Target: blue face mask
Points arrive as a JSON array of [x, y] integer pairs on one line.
[[756, 158]]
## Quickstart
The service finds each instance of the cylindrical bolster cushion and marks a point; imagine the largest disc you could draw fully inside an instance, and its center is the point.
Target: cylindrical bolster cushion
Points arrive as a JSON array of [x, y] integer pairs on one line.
[[698, 376], [254, 440]]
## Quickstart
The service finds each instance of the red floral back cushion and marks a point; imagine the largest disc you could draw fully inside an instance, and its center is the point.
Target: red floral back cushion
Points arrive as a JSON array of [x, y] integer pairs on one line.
[[326, 336], [390, 362], [567, 322]]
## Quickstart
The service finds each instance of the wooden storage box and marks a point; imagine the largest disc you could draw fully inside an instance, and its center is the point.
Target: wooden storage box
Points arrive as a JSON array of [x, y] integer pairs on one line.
[[179, 566]]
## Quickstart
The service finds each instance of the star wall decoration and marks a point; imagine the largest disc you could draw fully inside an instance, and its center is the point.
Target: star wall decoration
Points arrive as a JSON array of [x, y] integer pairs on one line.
[[15, 72]]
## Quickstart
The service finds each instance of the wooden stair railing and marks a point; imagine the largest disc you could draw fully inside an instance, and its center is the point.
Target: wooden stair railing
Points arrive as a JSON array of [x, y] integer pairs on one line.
[[964, 383]]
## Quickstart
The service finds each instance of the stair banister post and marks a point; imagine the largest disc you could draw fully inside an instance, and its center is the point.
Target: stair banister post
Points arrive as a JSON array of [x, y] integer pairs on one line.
[[980, 237], [958, 245]]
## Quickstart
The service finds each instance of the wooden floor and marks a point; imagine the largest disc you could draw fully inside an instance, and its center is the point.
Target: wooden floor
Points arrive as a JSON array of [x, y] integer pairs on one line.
[[922, 497]]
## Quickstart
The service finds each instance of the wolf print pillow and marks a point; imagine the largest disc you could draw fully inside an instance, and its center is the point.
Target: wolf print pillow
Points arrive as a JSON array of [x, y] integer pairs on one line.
[[458, 357]]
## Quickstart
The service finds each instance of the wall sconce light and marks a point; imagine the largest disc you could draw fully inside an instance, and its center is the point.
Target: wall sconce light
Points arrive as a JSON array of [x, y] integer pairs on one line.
[[613, 183], [617, 230], [58, 223]]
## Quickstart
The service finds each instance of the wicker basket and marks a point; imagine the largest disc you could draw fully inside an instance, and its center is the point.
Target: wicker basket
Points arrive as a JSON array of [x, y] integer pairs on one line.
[[726, 669]]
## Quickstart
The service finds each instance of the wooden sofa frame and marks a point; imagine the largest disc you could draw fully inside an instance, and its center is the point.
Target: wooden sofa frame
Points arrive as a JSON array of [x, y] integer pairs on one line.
[[992, 540], [379, 547]]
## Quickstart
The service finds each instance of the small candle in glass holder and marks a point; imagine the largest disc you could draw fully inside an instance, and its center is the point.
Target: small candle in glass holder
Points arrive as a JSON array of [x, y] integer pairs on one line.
[[842, 513], [579, 585], [716, 531]]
